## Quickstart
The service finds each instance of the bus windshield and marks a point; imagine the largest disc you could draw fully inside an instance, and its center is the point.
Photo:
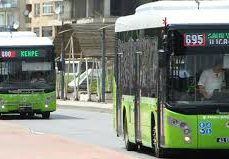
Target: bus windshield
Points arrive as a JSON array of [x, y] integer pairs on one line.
[[26, 74], [190, 74]]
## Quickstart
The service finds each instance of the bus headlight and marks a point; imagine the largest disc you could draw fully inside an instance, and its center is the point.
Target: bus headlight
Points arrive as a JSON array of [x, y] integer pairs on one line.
[[47, 101], [177, 123], [182, 125], [2, 103], [187, 139], [174, 122], [187, 131]]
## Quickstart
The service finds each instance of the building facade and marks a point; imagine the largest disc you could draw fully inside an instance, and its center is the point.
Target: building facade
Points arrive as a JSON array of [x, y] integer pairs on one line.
[[12, 14], [46, 15], [88, 17]]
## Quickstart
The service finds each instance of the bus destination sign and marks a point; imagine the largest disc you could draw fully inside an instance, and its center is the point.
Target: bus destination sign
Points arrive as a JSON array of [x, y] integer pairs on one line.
[[206, 39], [29, 53], [8, 54], [25, 53]]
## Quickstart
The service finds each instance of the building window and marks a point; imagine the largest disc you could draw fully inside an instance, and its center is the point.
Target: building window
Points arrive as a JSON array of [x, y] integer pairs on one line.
[[12, 18], [48, 8], [8, 3], [37, 31], [59, 8], [47, 31], [37, 9], [98, 8], [28, 20], [8, 19], [80, 9], [2, 20]]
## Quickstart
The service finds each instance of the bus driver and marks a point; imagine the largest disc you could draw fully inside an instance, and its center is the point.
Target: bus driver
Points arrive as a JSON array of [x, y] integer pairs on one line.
[[37, 77], [211, 80]]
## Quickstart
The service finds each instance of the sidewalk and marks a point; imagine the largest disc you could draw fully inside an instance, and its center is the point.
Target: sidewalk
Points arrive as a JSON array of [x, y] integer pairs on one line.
[[103, 107], [21, 143]]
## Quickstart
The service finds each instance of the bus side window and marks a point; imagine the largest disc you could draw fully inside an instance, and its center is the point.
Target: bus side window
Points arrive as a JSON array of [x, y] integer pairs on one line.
[[1, 78]]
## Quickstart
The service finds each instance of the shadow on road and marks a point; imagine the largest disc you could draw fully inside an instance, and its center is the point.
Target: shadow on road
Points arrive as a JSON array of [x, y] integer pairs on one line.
[[203, 154], [63, 117], [90, 109], [38, 117], [145, 150], [194, 154]]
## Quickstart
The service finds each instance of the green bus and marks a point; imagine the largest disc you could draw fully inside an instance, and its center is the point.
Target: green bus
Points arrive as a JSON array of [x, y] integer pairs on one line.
[[161, 52], [27, 74]]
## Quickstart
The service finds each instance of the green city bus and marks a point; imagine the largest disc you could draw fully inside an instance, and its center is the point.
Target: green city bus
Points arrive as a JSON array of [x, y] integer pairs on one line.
[[27, 74], [160, 54]]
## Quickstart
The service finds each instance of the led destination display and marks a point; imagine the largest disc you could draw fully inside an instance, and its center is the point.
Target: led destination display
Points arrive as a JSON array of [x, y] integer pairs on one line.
[[206, 39], [22, 53], [29, 53]]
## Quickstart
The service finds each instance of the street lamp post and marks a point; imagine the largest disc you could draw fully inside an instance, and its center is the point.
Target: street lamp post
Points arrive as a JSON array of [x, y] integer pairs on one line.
[[62, 55], [103, 64]]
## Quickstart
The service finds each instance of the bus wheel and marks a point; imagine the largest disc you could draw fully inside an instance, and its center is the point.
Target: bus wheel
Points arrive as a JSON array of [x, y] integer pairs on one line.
[[30, 115], [129, 146], [158, 151], [23, 115], [46, 115]]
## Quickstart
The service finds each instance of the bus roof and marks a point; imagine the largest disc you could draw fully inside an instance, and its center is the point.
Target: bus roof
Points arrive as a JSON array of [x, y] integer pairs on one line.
[[10, 39], [18, 34], [152, 15]]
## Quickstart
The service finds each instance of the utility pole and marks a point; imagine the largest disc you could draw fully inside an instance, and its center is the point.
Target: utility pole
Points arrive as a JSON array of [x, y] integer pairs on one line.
[[62, 58], [62, 62], [103, 63]]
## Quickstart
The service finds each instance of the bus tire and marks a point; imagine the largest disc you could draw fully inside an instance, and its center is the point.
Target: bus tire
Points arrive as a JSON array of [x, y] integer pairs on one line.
[[23, 115], [30, 115], [129, 145], [46, 115]]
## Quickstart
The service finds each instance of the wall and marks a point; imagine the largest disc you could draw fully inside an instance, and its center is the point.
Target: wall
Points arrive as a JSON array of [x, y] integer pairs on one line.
[[14, 11]]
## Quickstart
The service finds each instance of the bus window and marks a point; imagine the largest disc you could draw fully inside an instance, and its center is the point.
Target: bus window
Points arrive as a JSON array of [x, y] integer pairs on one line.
[[185, 72]]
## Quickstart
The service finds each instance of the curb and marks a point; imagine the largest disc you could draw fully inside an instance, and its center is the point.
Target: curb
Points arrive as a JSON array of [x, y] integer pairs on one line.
[[89, 106]]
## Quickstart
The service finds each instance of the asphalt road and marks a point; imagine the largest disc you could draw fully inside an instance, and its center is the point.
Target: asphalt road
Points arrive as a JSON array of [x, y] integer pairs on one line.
[[95, 128]]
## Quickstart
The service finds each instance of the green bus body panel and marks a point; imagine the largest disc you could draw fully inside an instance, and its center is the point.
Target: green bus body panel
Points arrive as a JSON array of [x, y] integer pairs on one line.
[[205, 129], [148, 106], [128, 105], [174, 135], [211, 127], [12, 102]]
